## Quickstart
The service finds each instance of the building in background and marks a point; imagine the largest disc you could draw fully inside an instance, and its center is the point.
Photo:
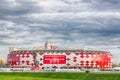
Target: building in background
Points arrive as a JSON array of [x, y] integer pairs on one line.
[[3, 61], [52, 57]]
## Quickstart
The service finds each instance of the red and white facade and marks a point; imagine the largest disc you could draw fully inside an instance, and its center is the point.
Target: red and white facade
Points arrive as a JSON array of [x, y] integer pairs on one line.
[[60, 58]]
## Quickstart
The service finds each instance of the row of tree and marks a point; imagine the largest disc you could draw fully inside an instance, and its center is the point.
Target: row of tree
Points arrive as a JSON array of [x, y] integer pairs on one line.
[[116, 65]]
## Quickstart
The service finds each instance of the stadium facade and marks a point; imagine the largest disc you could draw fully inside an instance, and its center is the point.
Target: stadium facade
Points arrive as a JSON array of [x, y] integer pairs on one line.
[[51, 57]]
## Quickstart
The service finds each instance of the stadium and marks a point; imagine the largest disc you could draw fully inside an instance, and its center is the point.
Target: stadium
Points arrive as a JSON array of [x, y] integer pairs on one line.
[[52, 57]]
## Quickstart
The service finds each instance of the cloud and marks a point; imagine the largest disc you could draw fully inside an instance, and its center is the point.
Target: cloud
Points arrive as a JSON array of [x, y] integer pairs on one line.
[[106, 5], [64, 22], [84, 24], [49, 24]]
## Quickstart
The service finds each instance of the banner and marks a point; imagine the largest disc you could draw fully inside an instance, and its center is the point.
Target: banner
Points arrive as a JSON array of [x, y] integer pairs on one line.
[[54, 59]]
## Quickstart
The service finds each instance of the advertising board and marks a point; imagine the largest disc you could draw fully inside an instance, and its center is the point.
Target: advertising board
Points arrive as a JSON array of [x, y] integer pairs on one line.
[[54, 59]]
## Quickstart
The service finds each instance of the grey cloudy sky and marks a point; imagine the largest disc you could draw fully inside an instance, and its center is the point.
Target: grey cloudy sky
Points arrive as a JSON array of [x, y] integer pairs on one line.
[[93, 23]]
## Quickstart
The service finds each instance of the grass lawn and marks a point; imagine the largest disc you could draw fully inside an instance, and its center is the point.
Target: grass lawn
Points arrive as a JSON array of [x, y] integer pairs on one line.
[[27, 78], [57, 76]]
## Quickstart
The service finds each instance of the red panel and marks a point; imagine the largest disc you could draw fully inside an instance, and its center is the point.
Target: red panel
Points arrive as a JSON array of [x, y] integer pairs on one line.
[[41, 64], [68, 53], [54, 59], [32, 53], [76, 53], [87, 55], [81, 63], [68, 64], [81, 55], [87, 63], [28, 62], [27, 54], [41, 53], [74, 60], [23, 55], [68, 59], [74, 57]]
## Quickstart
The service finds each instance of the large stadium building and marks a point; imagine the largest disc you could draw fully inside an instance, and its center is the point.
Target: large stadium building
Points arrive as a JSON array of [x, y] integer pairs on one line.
[[50, 57]]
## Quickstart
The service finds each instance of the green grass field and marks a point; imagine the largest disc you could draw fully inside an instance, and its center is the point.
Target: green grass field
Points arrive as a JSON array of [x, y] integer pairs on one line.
[[57, 76]]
